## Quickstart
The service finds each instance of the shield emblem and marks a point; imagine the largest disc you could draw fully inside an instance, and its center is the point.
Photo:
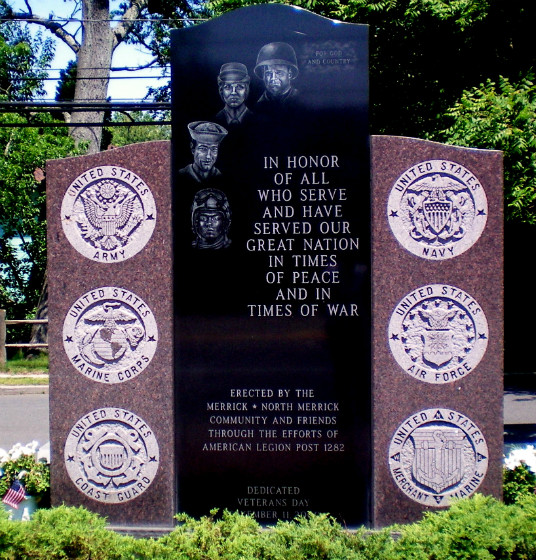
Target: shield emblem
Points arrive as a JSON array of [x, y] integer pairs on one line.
[[112, 455], [437, 462], [438, 346], [437, 213]]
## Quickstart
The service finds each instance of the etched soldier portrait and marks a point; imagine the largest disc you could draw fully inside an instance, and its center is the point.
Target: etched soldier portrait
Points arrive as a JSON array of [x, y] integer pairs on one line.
[[233, 86], [205, 143], [277, 67], [211, 220]]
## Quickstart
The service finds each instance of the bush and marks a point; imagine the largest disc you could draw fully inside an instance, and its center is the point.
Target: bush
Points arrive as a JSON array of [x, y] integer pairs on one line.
[[478, 528]]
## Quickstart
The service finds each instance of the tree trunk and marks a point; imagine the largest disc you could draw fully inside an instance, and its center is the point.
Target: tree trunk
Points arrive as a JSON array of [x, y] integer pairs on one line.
[[40, 332], [94, 60]]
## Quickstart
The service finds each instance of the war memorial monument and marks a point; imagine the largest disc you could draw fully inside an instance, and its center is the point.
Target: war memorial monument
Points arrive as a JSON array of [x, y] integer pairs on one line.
[[275, 313]]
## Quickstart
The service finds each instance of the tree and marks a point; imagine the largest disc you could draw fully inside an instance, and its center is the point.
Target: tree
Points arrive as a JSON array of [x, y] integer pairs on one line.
[[23, 152], [99, 37]]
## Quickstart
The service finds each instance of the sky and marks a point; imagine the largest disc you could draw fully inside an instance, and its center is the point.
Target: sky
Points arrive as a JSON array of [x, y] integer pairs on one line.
[[125, 55]]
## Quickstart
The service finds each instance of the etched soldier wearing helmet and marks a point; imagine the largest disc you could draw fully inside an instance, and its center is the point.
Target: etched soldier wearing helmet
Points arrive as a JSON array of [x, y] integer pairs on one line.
[[211, 219], [277, 67]]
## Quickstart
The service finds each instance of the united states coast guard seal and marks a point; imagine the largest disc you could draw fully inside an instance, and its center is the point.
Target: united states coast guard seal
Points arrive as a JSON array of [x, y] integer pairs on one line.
[[111, 455], [110, 335], [437, 209], [438, 333], [108, 214], [438, 454]]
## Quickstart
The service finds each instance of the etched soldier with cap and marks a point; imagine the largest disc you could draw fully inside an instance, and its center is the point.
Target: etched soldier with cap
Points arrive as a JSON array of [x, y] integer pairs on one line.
[[205, 143], [277, 67], [233, 85], [211, 220]]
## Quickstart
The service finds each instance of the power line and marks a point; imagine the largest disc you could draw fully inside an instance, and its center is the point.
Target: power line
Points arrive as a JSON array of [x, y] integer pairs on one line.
[[37, 19]]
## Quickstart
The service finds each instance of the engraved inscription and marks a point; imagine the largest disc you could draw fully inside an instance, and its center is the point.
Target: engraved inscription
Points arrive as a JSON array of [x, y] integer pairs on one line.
[[437, 209], [110, 335], [438, 454], [111, 455], [108, 214], [438, 333]]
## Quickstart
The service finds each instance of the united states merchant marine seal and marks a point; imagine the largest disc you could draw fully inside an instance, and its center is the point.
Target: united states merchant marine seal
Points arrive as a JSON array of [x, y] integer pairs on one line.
[[437, 209], [108, 214], [438, 454], [110, 335], [111, 455], [438, 333]]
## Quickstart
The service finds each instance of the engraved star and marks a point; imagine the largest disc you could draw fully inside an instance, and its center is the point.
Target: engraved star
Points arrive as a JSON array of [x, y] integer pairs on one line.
[[254, 406], [482, 336], [152, 459], [67, 217], [151, 339], [70, 458], [481, 213], [68, 339], [149, 217], [394, 336], [394, 214]]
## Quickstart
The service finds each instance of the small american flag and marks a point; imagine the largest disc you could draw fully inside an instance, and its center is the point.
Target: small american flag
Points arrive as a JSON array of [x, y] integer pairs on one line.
[[14, 495]]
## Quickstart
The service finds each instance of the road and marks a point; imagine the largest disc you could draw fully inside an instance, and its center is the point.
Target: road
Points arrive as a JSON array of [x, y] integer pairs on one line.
[[24, 418]]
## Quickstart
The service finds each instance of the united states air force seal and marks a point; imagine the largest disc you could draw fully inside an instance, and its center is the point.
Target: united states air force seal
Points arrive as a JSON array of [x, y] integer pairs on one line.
[[110, 335], [437, 209], [108, 214], [111, 455], [438, 333], [438, 454]]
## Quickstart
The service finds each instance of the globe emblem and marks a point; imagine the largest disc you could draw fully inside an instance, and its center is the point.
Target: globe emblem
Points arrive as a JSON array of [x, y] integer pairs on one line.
[[110, 343]]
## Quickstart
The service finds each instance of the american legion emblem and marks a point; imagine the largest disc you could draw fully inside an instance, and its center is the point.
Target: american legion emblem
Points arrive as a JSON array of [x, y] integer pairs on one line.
[[111, 455], [437, 209], [438, 333], [108, 214], [110, 335], [436, 455]]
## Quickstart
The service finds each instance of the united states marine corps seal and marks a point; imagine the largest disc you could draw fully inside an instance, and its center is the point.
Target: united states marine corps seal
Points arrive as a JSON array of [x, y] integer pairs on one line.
[[436, 455], [438, 333], [110, 335], [111, 455], [108, 214], [437, 209]]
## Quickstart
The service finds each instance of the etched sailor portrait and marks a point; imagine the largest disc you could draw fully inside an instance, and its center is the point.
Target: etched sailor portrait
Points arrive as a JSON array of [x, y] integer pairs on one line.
[[108, 214], [110, 335], [438, 454], [111, 455], [211, 220], [204, 145], [277, 67], [437, 209], [438, 334], [233, 86]]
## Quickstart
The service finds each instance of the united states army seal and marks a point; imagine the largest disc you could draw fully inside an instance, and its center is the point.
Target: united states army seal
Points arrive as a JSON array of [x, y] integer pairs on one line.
[[438, 333], [110, 335], [436, 455], [108, 214], [437, 209], [111, 455]]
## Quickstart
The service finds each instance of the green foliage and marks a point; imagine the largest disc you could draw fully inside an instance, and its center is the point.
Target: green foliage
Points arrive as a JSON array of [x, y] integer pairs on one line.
[[36, 479], [479, 528], [503, 117], [518, 483], [123, 135]]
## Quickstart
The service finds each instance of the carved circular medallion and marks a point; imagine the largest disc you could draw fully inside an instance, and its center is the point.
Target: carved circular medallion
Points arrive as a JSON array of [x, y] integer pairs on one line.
[[111, 455], [437, 209], [110, 335], [438, 454], [108, 214], [438, 333]]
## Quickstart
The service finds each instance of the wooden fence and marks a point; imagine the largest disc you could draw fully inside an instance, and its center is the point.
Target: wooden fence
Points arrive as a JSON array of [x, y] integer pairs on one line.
[[3, 333]]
